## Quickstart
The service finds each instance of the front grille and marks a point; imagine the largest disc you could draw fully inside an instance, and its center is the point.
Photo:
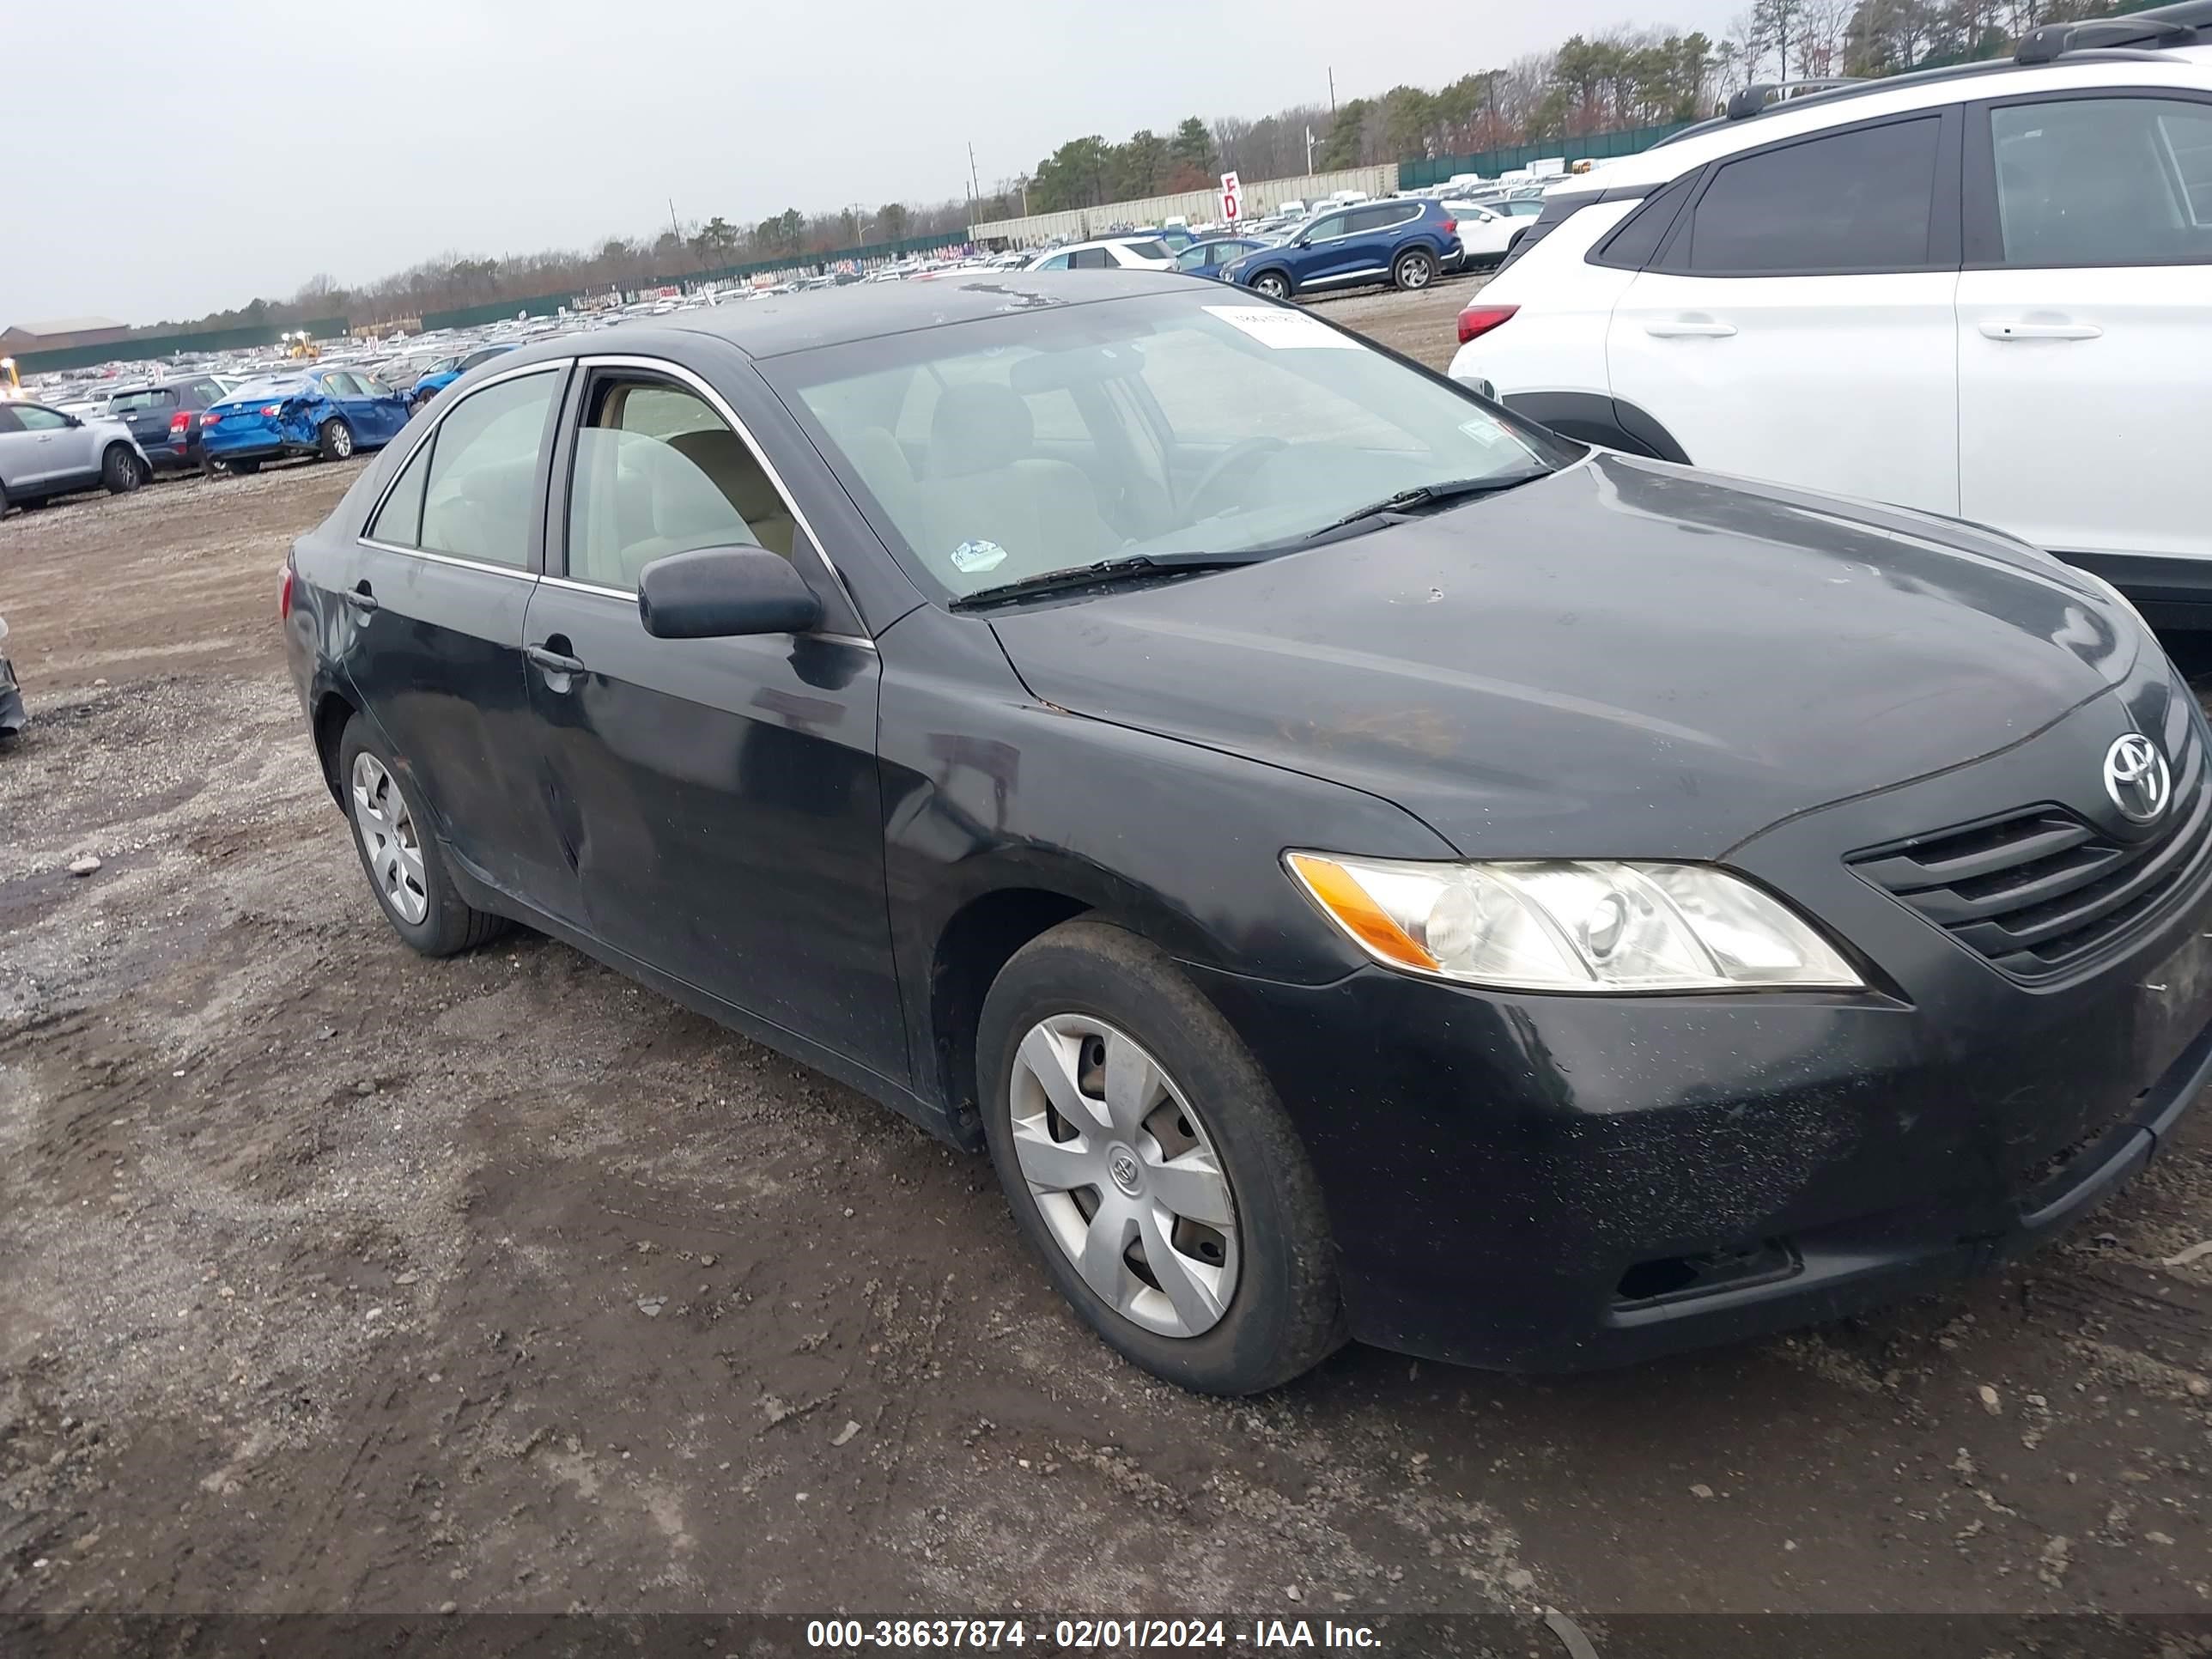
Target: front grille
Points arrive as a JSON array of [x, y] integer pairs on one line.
[[2040, 891]]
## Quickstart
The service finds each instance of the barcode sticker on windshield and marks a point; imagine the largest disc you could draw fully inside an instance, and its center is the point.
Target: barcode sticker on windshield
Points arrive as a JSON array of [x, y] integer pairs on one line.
[[1283, 330]]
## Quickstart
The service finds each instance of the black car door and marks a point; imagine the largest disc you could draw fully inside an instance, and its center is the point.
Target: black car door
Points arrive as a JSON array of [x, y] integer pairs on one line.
[[437, 590], [719, 798]]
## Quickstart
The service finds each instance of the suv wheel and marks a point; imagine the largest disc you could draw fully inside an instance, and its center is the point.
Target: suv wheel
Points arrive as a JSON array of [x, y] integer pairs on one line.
[[1272, 284], [121, 471], [1416, 268], [400, 854], [1149, 1163], [335, 438]]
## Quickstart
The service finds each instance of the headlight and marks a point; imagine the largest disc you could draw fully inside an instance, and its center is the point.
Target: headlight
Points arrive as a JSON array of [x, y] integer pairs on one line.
[[1573, 925]]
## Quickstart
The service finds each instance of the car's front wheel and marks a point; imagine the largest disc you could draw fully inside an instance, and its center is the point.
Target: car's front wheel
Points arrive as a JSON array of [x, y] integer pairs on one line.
[[1150, 1164], [1415, 268], [334, 440], [1272, 284], [400, 855], [120, 471]]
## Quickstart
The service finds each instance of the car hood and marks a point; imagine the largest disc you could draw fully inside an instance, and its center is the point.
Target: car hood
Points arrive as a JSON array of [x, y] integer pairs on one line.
[[1625, 657]]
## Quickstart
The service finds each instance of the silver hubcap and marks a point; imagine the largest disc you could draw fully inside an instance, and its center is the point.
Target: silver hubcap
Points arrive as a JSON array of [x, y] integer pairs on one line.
[[1124, 1175], [1274, 288], [341, 442], [387, 836], [1417, 273]]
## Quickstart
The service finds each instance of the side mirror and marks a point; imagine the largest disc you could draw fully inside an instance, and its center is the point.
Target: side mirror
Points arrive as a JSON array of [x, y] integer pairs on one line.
[[720, 593]]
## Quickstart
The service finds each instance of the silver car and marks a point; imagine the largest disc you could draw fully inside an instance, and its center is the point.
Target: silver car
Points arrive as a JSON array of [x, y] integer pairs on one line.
[[45, 452]]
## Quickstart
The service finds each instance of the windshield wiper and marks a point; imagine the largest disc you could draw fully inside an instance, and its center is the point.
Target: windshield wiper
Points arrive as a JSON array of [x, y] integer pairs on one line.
[[1407, 501], [1106, 571]]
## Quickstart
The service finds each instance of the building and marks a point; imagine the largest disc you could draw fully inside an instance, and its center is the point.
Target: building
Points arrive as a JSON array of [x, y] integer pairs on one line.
[[60, 333]]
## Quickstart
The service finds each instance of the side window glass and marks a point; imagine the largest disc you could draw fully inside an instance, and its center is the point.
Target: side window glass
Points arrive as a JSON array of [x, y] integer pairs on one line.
[[658, 472], [7, 420], [1856, 201], [2104, 181], [476, 503], [398, 522], [1089, 259], [1324, 228], [1058, 262], [35, 419], [1632, 244], [339, 384]]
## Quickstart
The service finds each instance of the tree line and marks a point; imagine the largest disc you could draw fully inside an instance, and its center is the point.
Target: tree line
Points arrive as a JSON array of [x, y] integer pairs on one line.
[[1620, 78]]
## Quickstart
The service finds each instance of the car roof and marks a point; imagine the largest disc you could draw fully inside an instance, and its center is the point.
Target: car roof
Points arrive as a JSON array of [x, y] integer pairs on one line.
[[1931, 89], [773, 326]]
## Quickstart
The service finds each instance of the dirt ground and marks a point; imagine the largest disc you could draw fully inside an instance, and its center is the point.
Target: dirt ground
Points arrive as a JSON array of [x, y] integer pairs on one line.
[[335, 1278]]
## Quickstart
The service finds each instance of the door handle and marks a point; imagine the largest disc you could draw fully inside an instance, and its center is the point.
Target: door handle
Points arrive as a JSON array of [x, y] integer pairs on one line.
[[361, 599], [552, 661], [2000, 328], [1687, 329]]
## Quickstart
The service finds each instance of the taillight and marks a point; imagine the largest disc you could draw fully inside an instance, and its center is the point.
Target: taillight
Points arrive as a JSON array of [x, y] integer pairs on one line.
[[284, 594], [209, 419], [272, 410], [1451, 227], [179, 423], [1478, 320]]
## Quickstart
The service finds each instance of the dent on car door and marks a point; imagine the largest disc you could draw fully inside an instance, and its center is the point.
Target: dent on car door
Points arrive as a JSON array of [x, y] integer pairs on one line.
[[1797, 322], [436, 593], [2085, 342], [719, 798]]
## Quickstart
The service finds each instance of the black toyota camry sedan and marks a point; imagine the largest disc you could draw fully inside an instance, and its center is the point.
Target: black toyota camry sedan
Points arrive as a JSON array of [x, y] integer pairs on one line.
[[1365, 867]]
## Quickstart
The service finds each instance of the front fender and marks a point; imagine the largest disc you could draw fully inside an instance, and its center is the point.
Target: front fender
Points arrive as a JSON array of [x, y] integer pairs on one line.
[[987, 789]]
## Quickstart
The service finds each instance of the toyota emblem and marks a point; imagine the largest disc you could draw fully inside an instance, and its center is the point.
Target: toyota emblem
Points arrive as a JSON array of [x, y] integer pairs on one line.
[[1122, 1166], [2136, 779]]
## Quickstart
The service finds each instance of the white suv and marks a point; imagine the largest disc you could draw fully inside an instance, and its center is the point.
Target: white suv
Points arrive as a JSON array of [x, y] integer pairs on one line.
[[1985, 292]]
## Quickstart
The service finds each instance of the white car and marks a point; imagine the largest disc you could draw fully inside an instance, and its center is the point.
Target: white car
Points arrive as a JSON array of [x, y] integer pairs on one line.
[[1485, 236], [1983, 291], [1123, 253]]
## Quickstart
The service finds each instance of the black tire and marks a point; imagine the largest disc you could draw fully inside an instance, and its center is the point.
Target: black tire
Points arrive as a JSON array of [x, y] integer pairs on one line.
[[1415, 268], [448, 925], [1272, 284], [334, 438], [1284, 1314], [120, 471]]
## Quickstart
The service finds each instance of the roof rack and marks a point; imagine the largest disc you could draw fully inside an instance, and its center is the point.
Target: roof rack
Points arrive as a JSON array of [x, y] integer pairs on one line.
[[2163, 25], [1742, 106]]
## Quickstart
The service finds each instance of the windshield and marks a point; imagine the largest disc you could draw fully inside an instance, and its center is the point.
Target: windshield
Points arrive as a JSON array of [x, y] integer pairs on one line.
[[995, 451]]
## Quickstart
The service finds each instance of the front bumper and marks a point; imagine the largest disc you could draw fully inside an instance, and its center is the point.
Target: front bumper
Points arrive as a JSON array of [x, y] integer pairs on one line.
[[1554, 1184], [1535, 1181]]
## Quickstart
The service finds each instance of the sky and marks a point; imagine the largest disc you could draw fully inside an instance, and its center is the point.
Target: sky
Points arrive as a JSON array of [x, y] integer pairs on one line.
[[176, 171]]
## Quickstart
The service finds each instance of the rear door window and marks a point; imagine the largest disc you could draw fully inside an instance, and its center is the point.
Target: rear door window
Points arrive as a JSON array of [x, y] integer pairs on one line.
[[1863, 200], [2104, 181], [477, 503], [1089, 259]]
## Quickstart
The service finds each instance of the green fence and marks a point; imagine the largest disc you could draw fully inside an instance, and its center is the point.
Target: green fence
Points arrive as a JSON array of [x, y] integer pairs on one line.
[[1420, 173], [140, 347], [546, 305]]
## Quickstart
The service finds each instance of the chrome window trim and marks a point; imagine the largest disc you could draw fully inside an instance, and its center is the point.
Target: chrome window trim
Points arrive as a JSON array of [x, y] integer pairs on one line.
[[453, 559], [720, 405], [545, 365], [627, 596]]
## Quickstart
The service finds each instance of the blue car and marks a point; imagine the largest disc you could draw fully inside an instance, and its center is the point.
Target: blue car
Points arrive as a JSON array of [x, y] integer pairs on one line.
[[442, 373], [329, 412], [1407, 240], [1206, 258]]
